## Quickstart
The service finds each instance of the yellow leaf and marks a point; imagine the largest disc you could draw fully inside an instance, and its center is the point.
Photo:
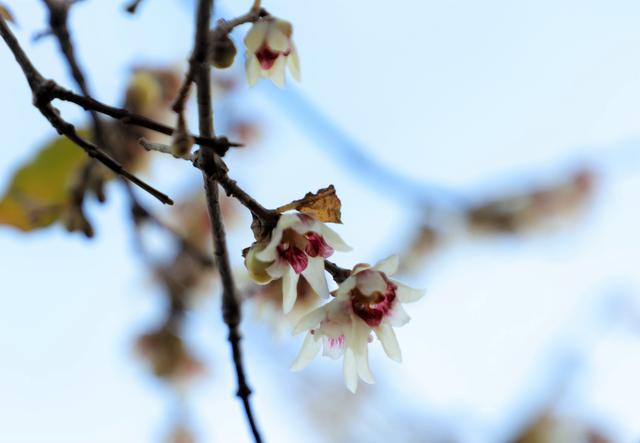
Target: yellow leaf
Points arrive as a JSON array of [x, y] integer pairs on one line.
[[324, 205], [39, 190]]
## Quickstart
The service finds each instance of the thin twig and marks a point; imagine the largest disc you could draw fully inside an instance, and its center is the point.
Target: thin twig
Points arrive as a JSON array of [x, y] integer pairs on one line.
[[210, 163], [219, 145], [40, 87]]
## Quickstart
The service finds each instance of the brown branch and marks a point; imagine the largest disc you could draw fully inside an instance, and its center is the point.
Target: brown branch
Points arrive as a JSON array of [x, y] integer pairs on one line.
[[339, 274], [210, 164], [40, 87], [219, 145]]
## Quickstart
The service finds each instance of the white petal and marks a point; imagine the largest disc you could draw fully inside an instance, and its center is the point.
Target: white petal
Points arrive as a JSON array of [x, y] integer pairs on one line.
[[362, 364], [314, 274], [276, 39], [308, 351], [350, 371], [370, 281], [345, 287], [294, 63], [407, 295], [333, 239], [277, 269], [276, 73], [289, 290], [310, 320], [387, 337], [397, 316], [253, 69], [256, 35], [359, 337], [389, 265]]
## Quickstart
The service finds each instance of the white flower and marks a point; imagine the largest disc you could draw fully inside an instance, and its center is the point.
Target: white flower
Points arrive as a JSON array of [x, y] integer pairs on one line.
[[368, 301], [298, 246], [269, 50]]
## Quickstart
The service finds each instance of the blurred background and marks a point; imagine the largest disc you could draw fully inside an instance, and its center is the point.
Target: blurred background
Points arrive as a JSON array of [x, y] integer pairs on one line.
[[493, 145]]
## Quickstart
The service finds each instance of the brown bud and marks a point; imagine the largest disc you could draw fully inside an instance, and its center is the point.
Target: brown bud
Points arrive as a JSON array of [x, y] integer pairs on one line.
[[223, 50]]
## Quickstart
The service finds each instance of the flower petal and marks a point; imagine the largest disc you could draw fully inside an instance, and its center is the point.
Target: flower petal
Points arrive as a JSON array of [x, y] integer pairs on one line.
[[253, 69], [333, 347], [345, 287], [397, 316], [276, 73], [314, 274], [293, 61], [350, 371], [310, 320], [308, 351], [362, 364], [370, 281], [277, 40], [387, 337], [277, 269], [389, 265], [359, 337], [257, 269], [333, 239], [289, 290], [256, 35], [406, 294]]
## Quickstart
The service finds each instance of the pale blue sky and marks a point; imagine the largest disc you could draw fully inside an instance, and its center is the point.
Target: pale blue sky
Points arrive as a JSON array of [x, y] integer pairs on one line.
[[470, 95]]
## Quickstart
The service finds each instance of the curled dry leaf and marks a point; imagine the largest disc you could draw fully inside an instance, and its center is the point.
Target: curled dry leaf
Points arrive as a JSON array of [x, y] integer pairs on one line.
[[324, 205]]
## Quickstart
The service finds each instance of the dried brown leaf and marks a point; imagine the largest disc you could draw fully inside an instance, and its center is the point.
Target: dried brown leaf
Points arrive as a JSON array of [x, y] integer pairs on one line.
[[324, 205]]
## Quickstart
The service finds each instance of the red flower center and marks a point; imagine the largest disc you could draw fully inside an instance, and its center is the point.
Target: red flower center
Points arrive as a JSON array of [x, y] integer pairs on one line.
[[294, 256], [374, 307], [316, 245], [267, 56]]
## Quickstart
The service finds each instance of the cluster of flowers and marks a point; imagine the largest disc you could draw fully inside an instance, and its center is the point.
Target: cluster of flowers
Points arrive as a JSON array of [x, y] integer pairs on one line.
[[367, 302]]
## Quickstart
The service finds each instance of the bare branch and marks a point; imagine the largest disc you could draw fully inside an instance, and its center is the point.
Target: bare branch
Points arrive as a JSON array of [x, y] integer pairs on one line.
[[40, 88], [211, 164]]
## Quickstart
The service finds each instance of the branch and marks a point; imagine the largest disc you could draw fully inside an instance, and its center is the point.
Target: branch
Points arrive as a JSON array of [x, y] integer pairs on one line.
[[40, 87], [339, 274], [210, 164]]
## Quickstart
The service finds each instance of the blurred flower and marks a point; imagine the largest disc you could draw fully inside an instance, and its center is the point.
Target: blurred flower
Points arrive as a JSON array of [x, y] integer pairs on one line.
[[269, 49], [368, 301], [168, 356], [298, 245]]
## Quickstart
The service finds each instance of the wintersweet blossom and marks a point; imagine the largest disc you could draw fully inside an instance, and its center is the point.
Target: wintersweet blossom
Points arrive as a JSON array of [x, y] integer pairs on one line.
[[269, 50], [298, 246], [367, 301]]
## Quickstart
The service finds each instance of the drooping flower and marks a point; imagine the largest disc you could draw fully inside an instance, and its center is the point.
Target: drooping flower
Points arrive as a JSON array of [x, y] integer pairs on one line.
[[367, 301], [298, 246], [269, 50]]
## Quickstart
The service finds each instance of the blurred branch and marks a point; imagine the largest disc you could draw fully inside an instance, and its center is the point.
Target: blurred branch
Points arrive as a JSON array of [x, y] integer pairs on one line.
[[42, 100], [132, 7], [210, 164]]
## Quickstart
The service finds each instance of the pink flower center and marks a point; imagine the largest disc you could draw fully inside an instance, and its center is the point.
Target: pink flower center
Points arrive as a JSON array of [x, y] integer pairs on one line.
[[316, 245], [374, 307], [294, 256], [336, 342]]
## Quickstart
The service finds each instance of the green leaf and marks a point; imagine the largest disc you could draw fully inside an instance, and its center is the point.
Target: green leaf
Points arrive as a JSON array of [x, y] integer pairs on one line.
[[39, 191]]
